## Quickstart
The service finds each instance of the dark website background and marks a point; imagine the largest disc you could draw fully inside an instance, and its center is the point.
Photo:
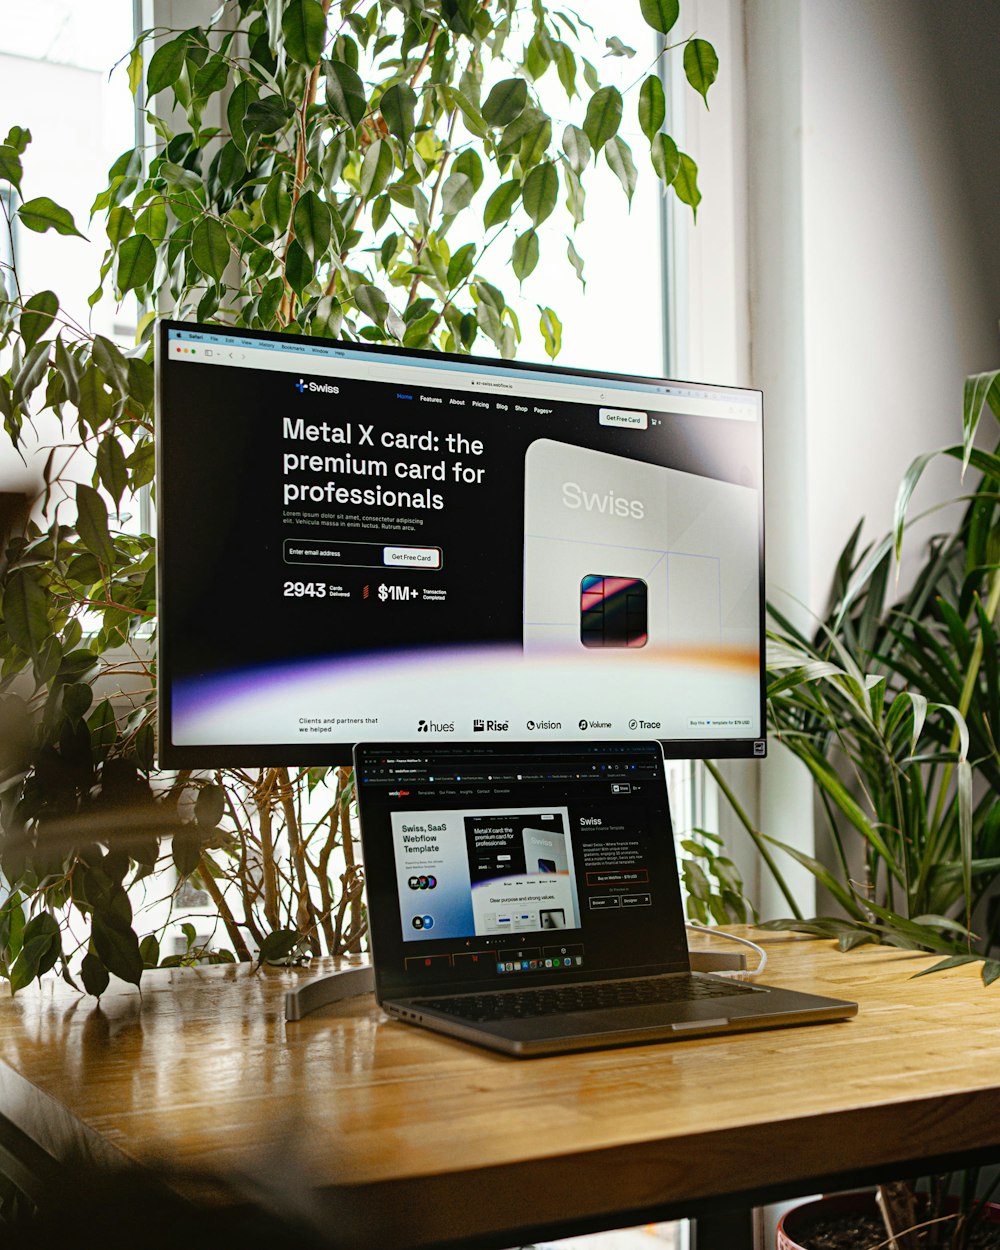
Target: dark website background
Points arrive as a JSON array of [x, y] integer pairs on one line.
[[647, 938], [220, 495]]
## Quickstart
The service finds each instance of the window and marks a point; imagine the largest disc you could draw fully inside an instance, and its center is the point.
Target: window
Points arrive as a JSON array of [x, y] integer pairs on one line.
[[54, 62]]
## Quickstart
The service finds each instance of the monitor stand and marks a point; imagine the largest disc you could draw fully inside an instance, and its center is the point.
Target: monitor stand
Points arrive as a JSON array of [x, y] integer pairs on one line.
[[332, 988]]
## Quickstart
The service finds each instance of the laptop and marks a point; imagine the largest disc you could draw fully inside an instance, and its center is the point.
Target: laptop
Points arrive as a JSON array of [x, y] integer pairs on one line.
[[525, 897]]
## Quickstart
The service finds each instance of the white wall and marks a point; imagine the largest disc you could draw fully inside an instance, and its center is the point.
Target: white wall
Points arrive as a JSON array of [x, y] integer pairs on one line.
[[870, 294], [897, 301]]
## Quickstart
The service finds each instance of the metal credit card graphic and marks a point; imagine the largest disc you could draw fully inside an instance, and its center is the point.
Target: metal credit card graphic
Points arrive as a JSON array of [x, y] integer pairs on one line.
[[625, 556], [613, 611]]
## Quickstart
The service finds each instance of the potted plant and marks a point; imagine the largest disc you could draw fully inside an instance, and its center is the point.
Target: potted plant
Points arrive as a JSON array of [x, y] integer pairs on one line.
[[893, 708], [326, 176], [900, 1215]]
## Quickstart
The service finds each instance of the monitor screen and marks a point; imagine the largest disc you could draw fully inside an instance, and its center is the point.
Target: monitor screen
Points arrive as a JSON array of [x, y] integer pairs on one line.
[[362, 543]]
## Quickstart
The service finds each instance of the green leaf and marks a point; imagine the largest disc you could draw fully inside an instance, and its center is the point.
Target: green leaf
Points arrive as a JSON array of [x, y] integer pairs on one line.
[[469, 163], [551, 328], [185, 850], [41, 945], [540, 192], [276, 203], [977, 388], [575, 196], [10, 166], [94, 400], [376, 170], [278, 945], [111, 362], [135, 68], [94, 975], [652, 106], [149, 949], [92, 524], [660, 14], [372, 302], [117, 946], [501, 203], [381, 209], [11, 929], [18, 138], [120, 224], [619, 157], [701, 66], [166, 64], [604, 115], [44, 214], [209, 806], [112, 467], [506, 101], [538, 55], [576, 260], [685, 183], [461, 265], [152, 221], [524, 258], [299, 269], [577, 147], [210, 247], [470, 114], [532, 128], [313, 224], [303, 26], [398, 105], [419, 331], [26, 610], [39, 313], [213, 76], [456, 194], [30, 374], [264, 117], [566, 68], [665, 157], [345, 92], [136, 263], [328, 317], [243, 95]]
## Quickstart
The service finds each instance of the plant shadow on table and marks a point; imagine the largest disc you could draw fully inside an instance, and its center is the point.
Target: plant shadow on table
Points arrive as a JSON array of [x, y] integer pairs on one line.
[[91, 1208]]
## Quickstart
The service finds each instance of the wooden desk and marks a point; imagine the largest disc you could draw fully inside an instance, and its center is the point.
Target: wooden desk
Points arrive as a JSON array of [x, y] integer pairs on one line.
[[430, 1139]]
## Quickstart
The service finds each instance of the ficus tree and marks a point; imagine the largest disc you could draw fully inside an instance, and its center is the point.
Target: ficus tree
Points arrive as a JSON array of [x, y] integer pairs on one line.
[[343, 168]]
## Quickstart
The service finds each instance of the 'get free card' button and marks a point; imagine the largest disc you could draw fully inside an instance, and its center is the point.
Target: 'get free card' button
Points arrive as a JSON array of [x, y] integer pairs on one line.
[[412, 557]]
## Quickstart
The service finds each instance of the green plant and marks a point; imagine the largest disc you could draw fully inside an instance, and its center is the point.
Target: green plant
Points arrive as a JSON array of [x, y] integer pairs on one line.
[[893, 709], [330, 168], [712, 882]]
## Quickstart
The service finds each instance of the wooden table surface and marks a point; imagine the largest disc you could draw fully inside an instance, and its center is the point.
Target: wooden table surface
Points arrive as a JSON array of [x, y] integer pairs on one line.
[[424, 1138]]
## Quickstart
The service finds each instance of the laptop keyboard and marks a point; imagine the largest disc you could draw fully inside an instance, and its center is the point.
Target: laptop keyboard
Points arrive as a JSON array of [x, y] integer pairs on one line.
[[561, 999]]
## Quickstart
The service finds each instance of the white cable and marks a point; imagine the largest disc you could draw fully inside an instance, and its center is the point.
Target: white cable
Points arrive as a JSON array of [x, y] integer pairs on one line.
[[744, 974]]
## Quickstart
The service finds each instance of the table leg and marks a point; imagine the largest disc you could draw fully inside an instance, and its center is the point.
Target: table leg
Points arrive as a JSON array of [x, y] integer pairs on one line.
[[728, 1229]]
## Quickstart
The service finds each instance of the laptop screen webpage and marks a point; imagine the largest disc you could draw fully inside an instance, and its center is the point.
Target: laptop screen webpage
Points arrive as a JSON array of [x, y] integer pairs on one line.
[[518, 865], [361, 544]]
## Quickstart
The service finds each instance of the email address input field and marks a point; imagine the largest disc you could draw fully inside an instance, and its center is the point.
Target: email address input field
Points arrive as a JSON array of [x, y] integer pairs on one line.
[[361, 555]]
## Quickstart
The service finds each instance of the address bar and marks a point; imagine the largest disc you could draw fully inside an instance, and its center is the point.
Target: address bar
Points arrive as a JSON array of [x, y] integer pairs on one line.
[[518, 389]]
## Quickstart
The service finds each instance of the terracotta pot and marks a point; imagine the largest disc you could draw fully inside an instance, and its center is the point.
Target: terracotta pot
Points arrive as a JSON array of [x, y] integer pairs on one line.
[[794, 1223]]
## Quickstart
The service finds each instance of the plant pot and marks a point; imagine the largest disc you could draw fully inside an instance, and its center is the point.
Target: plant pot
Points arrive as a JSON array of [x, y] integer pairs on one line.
[[796, 1225]]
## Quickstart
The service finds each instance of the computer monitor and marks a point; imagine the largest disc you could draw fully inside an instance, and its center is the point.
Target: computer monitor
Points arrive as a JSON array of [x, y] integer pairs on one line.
[[362, 543]]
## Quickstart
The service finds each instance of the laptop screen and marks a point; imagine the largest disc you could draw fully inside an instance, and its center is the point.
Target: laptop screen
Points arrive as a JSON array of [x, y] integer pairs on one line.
[[515, 864]]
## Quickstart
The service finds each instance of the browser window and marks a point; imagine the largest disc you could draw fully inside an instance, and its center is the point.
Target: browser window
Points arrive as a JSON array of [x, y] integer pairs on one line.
[[361, 544]]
